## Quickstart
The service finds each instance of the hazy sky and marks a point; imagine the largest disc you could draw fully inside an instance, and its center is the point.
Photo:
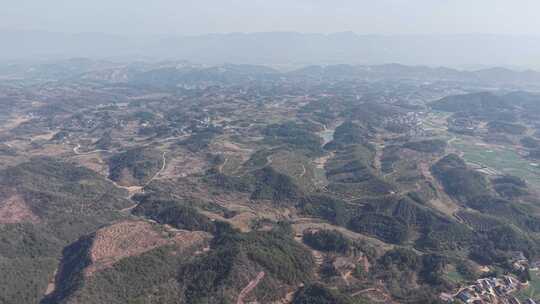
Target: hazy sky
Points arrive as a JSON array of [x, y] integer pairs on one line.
[[211, 16]]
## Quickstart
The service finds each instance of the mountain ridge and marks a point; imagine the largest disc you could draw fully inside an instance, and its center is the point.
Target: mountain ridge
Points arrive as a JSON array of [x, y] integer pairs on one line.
[[281, 48]]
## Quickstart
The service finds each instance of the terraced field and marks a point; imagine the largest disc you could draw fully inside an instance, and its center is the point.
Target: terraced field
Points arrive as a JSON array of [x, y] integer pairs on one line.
[[497, 159]]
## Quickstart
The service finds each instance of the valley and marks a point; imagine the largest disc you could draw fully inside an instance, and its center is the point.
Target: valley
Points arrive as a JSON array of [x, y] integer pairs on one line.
[[245, 184]]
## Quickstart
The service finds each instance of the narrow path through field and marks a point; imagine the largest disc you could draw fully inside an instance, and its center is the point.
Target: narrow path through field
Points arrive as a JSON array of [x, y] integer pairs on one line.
[[303, 170], [163, 165], [128, 209], [379, 148], [223, 165], [132, 190], [386, 297], [249, 287], [363, 291]]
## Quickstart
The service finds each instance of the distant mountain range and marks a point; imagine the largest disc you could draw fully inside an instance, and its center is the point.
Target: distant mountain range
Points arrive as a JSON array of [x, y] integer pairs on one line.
[[174, 73], [495, 75], [281, 48]]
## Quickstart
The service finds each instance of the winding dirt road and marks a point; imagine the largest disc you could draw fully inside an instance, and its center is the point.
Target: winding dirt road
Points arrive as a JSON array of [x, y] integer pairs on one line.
[[76, 151]]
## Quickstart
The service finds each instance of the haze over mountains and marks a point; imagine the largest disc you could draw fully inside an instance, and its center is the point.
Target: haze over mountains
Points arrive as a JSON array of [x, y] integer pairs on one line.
[[273, 152], [179, 73], [175, 182], [281, 48]]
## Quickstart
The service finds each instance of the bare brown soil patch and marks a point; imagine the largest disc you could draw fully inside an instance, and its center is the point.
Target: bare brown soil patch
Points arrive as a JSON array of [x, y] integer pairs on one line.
[[45, 136], [94, 163], [51, 285], [375, 294], [233, 154], [14, 122], [248, 214], [288, 297], [321, 161], [132, 238], [43, 150], [443, 202], [186, 188], [126, 178], [15, 210], [183, 165], [232, 147], [241, 221]]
